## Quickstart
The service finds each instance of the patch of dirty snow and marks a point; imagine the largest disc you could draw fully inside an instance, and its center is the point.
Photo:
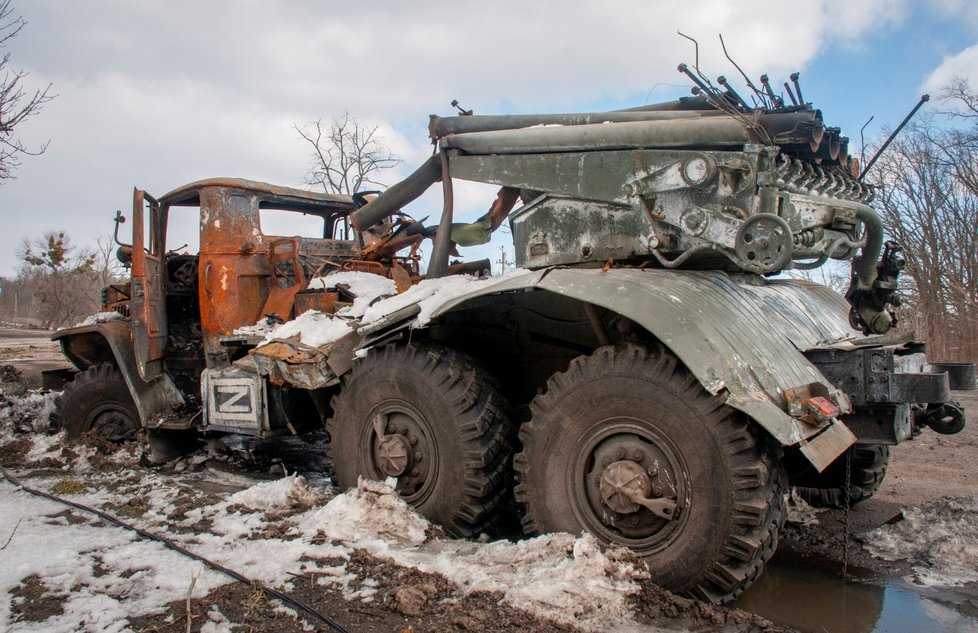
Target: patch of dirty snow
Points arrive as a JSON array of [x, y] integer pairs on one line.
[[100, 317], [287, 493], [27, 413], [365, 287], [560, 576], [313, 328], [799, 510], [216, 622], [556, 576], [71, 559], [44, 446], [373, 515], [272, 531], [939, 539]]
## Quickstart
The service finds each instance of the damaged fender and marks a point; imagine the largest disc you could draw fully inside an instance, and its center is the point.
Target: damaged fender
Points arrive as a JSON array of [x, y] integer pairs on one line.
[[110, 342], [741, 334]]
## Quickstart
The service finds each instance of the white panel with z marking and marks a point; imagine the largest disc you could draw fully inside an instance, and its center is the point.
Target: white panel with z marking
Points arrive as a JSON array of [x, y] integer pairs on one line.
[[235, 402]]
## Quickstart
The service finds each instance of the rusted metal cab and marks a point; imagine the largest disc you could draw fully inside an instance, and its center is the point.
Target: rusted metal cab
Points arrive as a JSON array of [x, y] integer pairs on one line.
[[178, 306]]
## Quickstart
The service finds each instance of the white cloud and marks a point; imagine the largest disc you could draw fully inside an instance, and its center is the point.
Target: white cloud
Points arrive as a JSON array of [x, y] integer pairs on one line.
[[963, 64], [159, 93], [963, 10]]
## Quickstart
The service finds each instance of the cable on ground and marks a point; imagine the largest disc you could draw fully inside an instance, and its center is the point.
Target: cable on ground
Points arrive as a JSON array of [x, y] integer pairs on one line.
[[278, 595]]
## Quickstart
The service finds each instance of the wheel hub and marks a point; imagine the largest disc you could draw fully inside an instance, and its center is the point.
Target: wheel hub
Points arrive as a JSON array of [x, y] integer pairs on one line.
[[634, 485], [394, 454], [620, 483], [401, 447], [111, 423]]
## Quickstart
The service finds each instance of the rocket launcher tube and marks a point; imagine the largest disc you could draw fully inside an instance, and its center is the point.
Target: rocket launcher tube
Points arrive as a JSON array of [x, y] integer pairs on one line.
[[713, 131], [443, 126]]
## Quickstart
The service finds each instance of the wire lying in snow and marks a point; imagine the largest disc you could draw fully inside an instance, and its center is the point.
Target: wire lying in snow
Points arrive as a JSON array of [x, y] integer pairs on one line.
[[278, 595]]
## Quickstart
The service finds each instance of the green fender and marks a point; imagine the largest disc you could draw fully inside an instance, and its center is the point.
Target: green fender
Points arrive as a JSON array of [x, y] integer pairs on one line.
[[739, 334]]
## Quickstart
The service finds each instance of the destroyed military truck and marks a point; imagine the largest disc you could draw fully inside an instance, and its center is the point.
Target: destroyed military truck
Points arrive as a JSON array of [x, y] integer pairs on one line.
[[644, 375]]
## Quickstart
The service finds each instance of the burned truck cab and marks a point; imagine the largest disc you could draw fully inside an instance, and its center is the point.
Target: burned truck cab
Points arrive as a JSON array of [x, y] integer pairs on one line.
[[174, 318]]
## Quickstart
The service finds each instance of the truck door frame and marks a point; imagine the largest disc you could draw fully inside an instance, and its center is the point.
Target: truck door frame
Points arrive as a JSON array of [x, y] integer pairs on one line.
[[148, 308]]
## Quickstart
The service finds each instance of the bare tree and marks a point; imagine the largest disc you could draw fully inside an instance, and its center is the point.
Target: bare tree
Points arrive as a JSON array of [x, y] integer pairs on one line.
[[833, 274], [928, 197], [65, 280], [17, 104], [346, 154], [106, 264]]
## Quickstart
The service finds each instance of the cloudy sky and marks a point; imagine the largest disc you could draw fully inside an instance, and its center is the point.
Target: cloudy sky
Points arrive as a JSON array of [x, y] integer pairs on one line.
[[157, 93]]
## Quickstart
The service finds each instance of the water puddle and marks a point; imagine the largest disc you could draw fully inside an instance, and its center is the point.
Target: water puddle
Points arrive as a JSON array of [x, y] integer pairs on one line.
[[814, 600]]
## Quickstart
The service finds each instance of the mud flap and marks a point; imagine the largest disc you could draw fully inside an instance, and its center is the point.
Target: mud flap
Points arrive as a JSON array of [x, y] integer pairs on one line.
[[236, 401], [825, 447]]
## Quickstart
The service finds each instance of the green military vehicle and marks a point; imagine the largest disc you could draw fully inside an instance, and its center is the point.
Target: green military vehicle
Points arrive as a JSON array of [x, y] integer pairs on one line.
[[644, 375]]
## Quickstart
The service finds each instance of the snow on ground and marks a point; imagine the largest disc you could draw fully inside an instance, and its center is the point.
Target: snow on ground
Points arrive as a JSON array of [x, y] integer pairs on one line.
[[939, 538], [102, 574], [105, 573], [71, 560], [28, 412], [800, 512]]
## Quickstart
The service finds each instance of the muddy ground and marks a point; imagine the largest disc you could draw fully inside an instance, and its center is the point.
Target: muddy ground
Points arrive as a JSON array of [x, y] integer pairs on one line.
[[930, 467], [925, 469]]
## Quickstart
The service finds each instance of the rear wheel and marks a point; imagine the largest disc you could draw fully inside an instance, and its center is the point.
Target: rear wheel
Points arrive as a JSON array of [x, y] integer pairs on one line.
[[96, 401], [867, 467], [628, 446], [435, 420]]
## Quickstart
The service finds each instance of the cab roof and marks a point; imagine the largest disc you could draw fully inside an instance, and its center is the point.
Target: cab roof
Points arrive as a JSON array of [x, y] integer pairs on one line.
[[189, 194]]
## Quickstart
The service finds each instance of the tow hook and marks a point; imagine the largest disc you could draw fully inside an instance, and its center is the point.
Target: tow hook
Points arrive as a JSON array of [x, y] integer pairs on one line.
[[946, 418]]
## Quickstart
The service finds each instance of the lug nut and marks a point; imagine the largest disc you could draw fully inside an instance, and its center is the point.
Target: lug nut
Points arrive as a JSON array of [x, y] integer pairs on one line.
[[638, 456], [414, 439]]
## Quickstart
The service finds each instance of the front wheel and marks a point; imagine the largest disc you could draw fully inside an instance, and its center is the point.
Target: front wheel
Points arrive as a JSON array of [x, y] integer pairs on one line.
[[628, 446], [97, 401], [435, 420]]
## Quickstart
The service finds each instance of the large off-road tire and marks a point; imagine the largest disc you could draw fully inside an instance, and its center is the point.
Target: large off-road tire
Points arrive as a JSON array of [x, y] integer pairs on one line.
[[96, 401], [866, 471], [626, 417], [444, 432]]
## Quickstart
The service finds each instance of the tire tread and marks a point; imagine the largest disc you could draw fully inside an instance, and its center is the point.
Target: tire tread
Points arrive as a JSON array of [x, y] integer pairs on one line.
[[757, 475]]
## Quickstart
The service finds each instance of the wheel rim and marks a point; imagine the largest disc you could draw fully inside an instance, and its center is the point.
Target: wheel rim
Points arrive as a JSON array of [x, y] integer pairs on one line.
[[619, 456], [407, 449], [111, 421]]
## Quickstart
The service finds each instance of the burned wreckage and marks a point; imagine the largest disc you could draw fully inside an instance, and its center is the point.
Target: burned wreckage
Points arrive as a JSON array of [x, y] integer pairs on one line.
[[641, 376]]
